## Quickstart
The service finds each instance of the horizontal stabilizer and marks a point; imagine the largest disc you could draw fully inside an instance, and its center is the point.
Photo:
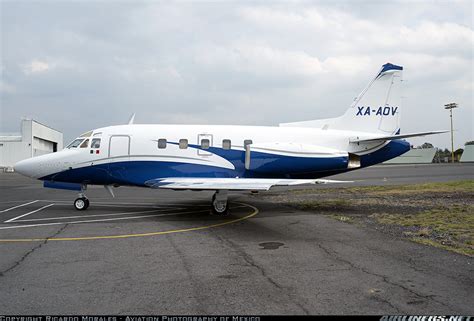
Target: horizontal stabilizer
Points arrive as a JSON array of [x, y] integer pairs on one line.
[[241, 184], [393, 137]]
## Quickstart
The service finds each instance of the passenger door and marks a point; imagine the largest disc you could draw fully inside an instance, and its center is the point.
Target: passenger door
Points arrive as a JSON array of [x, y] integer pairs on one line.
[[119, 146], [119, 152]]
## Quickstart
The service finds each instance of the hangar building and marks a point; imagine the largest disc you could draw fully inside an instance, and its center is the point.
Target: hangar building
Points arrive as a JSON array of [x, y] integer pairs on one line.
[[35, 139], [468, 154], [415, 156]]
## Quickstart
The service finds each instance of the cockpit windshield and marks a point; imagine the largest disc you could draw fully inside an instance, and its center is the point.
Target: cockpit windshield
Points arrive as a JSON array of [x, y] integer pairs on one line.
[[84, 144], [75, 143], [88, 134]]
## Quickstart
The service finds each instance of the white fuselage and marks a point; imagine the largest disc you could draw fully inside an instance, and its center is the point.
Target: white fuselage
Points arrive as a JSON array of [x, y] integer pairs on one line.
[[272, 152]]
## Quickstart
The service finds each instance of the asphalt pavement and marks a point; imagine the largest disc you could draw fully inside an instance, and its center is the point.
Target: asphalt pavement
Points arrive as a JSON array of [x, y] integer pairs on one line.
[[161, 252]]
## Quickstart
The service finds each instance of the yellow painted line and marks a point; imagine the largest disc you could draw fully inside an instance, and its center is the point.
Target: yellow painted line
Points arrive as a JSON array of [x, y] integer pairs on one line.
[[255, 212]]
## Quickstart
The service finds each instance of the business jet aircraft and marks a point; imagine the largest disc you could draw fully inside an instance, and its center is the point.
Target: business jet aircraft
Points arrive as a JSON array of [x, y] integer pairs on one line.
[[223, 158]]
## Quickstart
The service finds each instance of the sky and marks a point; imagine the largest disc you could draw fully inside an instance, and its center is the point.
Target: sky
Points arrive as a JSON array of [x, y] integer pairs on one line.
[[79, 65]]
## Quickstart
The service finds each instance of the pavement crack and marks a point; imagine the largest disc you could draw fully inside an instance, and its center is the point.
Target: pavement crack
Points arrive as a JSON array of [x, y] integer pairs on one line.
[[384, 278], [188, 270], [23, 258], [250, 261], [390, 304]]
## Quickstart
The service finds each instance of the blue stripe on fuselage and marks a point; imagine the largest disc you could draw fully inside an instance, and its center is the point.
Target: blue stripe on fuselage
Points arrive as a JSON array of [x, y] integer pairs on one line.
[[263, 165], [277, 166], [391, 150]]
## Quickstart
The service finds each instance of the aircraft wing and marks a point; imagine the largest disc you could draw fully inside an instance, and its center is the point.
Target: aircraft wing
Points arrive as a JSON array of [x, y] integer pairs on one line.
[[242, 184], [393, 137]]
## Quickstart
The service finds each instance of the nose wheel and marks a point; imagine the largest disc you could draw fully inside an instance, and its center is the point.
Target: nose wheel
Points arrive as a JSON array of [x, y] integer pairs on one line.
[[220, 203], [81, 203]]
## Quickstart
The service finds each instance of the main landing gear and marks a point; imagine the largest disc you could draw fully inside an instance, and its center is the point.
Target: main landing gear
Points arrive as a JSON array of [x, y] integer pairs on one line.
[[219, 203]]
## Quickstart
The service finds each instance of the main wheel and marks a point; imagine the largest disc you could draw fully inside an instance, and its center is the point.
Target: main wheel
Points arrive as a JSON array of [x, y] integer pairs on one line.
[[81, 203], [219, 207]]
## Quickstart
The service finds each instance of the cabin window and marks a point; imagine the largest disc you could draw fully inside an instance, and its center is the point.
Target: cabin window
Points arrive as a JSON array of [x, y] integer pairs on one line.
[[205, 143], [84, 144], [75, 143], [183, 143], [226, 144], [162, 143], [95, 143], [248, 142]]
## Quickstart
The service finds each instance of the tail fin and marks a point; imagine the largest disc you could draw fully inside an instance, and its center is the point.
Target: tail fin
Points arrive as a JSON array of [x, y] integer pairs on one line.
[[375, 110]]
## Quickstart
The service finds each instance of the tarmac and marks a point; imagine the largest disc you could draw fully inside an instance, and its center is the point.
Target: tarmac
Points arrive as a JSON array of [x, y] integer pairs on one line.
[[161, 252]]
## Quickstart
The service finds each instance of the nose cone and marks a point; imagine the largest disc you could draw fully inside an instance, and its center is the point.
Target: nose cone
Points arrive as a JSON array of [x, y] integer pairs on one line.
[[27, 167]]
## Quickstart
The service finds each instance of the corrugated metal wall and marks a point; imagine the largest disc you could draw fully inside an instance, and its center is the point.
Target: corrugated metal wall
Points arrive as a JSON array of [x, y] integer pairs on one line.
[[468, 154], [415, 156]]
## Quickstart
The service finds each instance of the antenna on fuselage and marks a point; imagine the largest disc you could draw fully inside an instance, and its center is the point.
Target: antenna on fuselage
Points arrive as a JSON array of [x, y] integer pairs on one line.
[[132, 119]]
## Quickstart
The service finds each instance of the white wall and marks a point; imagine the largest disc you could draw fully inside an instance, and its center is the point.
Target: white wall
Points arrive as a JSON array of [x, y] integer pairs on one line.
[[415, 156], [13, 151], [36, 139], [468, 154], [46, 133], [41, 146]]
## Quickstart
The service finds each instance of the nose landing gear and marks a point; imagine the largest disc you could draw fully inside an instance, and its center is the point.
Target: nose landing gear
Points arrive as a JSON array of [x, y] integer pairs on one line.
[[81, 203], [219, 203]]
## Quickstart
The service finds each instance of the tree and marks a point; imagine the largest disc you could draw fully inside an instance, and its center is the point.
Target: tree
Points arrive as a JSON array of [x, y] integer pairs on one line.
[[457, 154], [442, 155], [427, 145]]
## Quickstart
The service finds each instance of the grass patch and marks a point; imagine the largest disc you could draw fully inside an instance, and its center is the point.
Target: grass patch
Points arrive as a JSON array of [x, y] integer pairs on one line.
[[430, 242], [322, 205], [449, 228], [466, 186]]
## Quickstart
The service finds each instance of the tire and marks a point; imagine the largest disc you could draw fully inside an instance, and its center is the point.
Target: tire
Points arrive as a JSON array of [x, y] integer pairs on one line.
[[219, 208], [81, 204]]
